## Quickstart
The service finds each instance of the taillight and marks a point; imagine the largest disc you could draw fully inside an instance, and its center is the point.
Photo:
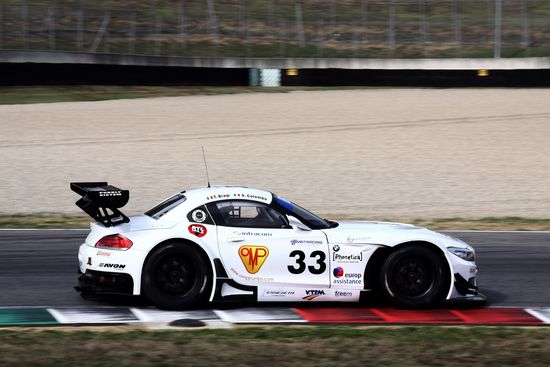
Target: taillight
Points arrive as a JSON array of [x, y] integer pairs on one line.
[[114, 242]]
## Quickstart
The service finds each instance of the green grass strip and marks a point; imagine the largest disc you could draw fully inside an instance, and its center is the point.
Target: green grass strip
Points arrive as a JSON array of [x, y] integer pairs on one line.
[[302, 346]]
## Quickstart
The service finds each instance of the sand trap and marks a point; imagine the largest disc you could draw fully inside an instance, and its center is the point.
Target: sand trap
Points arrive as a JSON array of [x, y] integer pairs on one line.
[[374, 153]]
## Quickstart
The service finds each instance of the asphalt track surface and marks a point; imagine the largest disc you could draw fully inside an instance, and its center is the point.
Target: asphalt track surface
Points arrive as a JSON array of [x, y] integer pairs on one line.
[[39, 268]]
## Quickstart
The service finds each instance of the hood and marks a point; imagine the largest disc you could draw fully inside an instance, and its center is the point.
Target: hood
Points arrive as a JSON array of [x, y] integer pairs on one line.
[[380, 233]]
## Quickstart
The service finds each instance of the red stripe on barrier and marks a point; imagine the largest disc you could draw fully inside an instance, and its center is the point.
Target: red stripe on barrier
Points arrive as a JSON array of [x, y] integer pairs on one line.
[[487, 316]]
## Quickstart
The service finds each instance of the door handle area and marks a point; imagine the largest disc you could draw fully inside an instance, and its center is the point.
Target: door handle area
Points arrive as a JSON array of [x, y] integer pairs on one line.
[[235, 239]]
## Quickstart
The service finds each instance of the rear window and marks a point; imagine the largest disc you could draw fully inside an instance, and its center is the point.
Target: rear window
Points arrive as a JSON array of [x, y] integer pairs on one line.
[[167, 205]]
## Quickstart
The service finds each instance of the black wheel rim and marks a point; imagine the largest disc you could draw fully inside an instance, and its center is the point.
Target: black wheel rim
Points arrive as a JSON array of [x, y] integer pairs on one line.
[[175, 275], [412, 277]]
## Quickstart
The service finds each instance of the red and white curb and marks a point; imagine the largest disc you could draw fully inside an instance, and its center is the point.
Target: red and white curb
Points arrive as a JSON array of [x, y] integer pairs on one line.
[[150, 317]]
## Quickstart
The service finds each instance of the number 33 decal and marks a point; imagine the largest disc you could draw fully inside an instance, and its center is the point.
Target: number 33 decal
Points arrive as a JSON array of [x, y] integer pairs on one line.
[[300, 266]]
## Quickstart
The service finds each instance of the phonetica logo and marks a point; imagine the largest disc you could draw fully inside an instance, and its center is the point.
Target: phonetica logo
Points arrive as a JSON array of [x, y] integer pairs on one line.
[[198, 230], [253, 257], [311, 294], [338, 272], [350, 258]]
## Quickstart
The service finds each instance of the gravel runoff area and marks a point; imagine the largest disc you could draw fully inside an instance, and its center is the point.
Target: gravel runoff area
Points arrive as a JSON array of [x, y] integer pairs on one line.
[[373, 153]]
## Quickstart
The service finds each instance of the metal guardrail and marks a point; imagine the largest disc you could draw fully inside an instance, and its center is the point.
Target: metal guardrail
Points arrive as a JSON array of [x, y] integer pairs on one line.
[[282, 28]]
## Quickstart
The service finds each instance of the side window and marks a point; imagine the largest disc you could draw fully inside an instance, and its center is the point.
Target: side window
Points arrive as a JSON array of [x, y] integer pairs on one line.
[[200, 215], [240, 213]]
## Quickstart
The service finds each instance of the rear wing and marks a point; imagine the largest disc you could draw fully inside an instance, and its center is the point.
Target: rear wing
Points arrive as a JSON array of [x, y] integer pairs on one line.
[[101, 201]]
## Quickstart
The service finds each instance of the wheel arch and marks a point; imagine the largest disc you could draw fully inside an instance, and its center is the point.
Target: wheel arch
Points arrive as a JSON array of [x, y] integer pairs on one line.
[[183, 242], [374, 265]]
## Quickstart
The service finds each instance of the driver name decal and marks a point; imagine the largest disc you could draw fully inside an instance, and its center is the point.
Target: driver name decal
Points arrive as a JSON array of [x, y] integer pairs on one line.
[[253, 257]]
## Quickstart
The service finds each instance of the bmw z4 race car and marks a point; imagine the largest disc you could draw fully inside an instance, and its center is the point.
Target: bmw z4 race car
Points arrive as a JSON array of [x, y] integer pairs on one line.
[[228, 243]]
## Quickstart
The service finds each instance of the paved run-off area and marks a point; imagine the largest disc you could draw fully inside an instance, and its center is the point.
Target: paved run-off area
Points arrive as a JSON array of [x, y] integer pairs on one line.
[[375, 152]]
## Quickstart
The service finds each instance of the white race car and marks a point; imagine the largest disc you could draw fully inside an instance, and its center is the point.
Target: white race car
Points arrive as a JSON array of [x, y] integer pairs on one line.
[[229, 243]]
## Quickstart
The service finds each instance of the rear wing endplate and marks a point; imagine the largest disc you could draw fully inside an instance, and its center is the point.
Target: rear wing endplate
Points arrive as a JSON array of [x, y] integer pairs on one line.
[[101, 201]]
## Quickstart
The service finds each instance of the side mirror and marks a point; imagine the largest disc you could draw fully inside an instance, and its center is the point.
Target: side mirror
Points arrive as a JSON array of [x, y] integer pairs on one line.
[[295, 223]]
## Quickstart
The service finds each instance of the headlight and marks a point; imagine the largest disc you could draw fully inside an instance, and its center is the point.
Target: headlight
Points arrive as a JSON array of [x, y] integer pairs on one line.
[[464, 253]]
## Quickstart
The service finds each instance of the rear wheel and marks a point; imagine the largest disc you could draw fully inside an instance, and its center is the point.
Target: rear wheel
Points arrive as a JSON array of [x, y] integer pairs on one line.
[[176, 276], [414, 276]]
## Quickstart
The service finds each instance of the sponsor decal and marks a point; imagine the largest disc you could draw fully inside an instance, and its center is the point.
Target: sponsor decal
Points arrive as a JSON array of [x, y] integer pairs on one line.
[[253, 257], [343, 294], [338, 272], [252, 279], [350, 258], [103, 253], [336, 248], [198, 216], [112, 266], [277, 293], [110, 193], [259, 234], [349, 278], [197, 229], [89, 262], [305, 242], [354, 239], [311, 294]]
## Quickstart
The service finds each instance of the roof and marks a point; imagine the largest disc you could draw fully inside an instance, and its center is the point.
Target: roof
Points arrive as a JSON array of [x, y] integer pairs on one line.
[[215, 193]]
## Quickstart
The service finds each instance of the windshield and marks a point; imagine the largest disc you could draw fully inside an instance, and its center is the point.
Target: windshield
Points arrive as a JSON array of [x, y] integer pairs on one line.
[[167, 205], [305, 216]]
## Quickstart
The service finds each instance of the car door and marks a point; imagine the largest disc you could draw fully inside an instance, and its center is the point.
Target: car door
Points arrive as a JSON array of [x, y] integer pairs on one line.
[[258, 247]]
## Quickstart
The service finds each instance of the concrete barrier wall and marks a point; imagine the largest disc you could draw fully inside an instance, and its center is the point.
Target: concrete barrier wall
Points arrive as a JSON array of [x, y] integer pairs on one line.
[[45, 57]]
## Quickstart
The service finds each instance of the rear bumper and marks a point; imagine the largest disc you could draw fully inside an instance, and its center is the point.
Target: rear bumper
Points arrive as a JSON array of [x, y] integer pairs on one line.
[[100, 282]]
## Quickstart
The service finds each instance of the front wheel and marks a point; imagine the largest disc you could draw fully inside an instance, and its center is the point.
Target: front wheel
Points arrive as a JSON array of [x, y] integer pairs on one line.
[[176, 276], [414, 276]]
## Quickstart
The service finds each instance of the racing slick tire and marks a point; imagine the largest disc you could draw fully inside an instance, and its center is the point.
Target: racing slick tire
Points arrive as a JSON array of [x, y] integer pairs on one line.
[[176, 276], [413, 277]]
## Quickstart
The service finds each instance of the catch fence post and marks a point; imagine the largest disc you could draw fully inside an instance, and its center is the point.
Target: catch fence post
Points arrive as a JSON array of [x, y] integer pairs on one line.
[[498, 28]]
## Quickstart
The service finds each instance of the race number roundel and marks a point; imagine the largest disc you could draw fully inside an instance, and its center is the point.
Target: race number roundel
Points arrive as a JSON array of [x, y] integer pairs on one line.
[[197, 229], [198, 216], [253, 257]]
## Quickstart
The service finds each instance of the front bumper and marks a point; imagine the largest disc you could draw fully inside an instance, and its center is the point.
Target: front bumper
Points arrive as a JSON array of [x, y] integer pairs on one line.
[[467, 290]]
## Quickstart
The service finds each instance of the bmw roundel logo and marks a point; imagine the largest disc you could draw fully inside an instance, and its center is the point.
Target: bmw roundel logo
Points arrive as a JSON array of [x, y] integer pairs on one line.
[[338, 272]]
